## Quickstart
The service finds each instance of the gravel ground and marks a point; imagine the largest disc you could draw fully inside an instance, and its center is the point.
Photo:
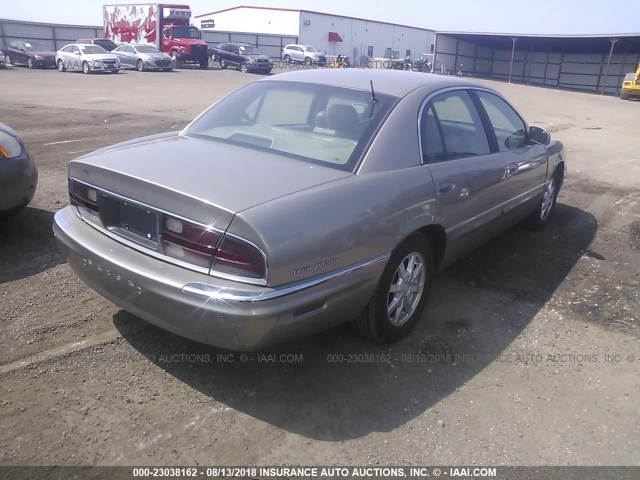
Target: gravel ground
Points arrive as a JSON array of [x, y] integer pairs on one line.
[[528, 352]]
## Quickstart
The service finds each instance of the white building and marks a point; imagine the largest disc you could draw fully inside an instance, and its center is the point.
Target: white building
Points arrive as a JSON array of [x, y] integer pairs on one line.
[[357, 38]]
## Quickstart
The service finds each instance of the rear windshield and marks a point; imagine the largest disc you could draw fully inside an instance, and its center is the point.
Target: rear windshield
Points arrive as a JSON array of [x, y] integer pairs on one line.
[[32, 46], [105, 43], [147, 49], [92, 49], [320, 124]]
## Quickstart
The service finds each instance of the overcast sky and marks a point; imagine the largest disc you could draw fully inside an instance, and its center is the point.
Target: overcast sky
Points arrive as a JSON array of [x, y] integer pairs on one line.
[[499, 16]]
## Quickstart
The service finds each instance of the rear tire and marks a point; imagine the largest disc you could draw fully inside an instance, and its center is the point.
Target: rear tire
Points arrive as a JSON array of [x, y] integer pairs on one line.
[[308, 62], [287, 59], [223, 64], [624, 96], [85, 67], [399, 299], [61, 66], [140, 66]]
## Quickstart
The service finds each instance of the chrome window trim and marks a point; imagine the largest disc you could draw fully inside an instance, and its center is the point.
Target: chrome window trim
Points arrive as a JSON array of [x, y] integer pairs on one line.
[[212, 292], [166, 258]]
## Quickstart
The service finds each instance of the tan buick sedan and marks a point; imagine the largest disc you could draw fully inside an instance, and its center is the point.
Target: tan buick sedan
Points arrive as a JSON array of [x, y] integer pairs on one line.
[[305, 200]]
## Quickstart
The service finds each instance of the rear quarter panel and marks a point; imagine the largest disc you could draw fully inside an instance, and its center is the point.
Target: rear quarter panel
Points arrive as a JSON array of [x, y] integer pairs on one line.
[[338, 224]]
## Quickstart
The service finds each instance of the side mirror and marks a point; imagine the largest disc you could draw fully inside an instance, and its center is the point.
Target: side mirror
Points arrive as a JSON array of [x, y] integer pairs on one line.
[[539, 135]]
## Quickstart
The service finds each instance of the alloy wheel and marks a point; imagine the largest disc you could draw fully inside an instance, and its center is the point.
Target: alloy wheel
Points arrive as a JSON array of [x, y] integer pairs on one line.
[[548, 199], [406, 289]]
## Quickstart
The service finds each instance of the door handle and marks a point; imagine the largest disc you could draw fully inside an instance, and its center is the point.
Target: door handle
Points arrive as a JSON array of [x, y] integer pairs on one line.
[[445, 187], [512, 169]]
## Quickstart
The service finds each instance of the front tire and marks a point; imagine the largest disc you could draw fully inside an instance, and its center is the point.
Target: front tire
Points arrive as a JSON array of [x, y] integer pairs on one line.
[[85, 68], [174, 55], [244, 68], [540, 217], [30, 64], [399, 299]]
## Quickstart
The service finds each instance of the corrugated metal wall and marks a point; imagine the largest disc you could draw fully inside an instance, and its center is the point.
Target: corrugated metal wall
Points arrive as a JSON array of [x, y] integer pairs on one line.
[[55, 35], [577, 71]]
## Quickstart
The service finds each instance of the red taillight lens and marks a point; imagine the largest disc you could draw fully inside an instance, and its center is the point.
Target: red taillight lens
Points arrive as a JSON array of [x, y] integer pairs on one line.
[[188, 241], [237, 257], [82, 195]]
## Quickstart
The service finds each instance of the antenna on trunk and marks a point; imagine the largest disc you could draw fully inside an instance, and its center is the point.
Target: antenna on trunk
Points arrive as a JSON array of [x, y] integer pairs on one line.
[[373, 93]]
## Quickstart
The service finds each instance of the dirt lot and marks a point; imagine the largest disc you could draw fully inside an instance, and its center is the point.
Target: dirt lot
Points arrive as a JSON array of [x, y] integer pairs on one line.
[[528, 353]]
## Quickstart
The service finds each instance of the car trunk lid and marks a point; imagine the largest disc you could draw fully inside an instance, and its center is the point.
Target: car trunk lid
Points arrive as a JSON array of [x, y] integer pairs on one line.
[[203, 180]]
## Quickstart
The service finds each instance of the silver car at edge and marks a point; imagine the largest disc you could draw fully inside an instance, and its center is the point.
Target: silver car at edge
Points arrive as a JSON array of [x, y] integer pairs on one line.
[[86, 58], [143, 57], [257, 224]]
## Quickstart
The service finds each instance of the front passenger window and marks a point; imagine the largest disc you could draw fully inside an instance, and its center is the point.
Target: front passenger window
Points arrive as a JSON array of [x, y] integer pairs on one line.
[[508, 126]]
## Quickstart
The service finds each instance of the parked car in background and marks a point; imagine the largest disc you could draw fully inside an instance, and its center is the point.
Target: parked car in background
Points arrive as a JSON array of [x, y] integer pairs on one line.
[[303, 54], [87, 59], [18, 173], [305, 200], [105, 43], [244, 57], [143, 57], [31, 54]]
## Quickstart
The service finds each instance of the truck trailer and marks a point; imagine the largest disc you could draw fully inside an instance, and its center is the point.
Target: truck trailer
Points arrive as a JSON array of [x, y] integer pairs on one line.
[[166, 26]]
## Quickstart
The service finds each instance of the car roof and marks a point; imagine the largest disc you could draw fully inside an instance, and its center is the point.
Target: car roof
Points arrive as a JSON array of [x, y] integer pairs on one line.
[[391, 82]]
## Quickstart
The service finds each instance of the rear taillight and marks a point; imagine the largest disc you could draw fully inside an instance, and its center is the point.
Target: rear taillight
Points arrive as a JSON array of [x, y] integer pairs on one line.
[[189, 241], [202, 246], [238, 257], [83, 195]]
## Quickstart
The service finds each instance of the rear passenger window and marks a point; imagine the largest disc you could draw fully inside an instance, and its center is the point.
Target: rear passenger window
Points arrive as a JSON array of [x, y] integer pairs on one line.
[[509, 128], [460, 124]]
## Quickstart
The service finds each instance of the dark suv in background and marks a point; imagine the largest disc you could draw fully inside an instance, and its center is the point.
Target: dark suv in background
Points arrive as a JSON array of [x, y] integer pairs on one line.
[[244, 57], [105, 43]]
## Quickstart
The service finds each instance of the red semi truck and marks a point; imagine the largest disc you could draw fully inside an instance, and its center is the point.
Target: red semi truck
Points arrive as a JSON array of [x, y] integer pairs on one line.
[[164, 25]]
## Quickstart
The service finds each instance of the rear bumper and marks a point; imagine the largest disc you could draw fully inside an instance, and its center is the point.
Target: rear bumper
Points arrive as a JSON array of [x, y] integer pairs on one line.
[[206, 309], [632, 92]]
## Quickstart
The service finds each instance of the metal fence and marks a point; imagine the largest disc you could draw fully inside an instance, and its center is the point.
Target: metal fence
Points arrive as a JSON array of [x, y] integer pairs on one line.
[[53, 35], [56, 36]]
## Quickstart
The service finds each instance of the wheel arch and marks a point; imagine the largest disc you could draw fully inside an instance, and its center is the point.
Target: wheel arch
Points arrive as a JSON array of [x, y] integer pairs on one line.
[[438, 239]]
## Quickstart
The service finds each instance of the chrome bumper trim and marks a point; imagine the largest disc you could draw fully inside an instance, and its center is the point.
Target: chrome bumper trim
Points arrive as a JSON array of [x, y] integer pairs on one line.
[[244, 296]]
